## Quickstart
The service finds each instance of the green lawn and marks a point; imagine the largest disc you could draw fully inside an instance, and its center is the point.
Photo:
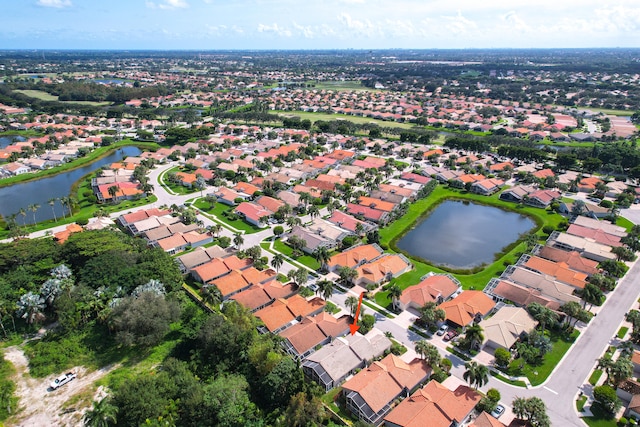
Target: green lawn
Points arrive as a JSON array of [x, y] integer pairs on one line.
[[622, 332], [504, 379], [580, 403], [538, 374], [45, 96], [348, 85], [175, 188], [600, 418], [595, 376], [329, 399], [330, 117], [307, 260], [218, 211]]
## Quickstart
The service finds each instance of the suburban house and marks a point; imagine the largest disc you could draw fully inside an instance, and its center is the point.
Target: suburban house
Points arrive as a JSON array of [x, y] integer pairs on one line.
[[487, 187], [253, 213], [349, 222], [179, 242], [371, 392], [434, 405], [506, 326], [269, 203], [558, 271], [590, 210], [354, 257], [486, 420], [545, 284], [542, 198], [433, 288], [598, 235], [521, 296], [283, 313], [260, 295], [467, 307], [516, 194], [629, 391], [227, 196], [127, 219], [596, 224], [586, 247], [302, 339], [382, 269], [150, 223], [165, 231], [238, 280], [330, 365], [199, 256], [571, 259], [378, 204], [368, 213], [312, 240], [218, 267]]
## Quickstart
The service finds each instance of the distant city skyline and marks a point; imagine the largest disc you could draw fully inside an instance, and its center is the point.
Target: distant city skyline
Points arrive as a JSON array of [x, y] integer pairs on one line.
[[330, 24]]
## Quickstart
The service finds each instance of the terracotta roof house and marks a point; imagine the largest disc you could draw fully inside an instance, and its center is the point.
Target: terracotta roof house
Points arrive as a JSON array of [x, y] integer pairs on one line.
[[283, 313], [635, 359], [559, 271], [385, 196], [395, 189], [543, 283], [228, 196], [353, 257], [368, 213], [434, 405], [434, 288], [349, 222], [236, 281], [330, 365], [63, 235], [519, 295], [150, 223], [588, 185], [302, 339], [246, 188], [572, 259], [486, 187], [260, 295], [542, 198], [382, 269], [467, 307], [597, 235], [371, 392], [290, 198], [164, 231], [486, 420], [179, 242], [269, 203], [218, 267], [506, 326], [253, 213], [378, 204], [414, 177], [544, 173]]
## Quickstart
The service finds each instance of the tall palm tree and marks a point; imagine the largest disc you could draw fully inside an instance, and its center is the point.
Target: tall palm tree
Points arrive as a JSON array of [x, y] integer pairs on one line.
[[395, 292], [63, 201], [352, 303], [52, 203], [314, 211], [113, 191], [238, 240], [277, 261], [34, 208], [429, 352], [325, 287], [474, 336], [102, 414], [321, 254], [24, 215], [520, 409], [476, 374], [590, 294]]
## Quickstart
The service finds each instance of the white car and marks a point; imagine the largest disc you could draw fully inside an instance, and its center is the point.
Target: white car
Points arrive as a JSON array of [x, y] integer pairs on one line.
[[442, 329], [62, 380]]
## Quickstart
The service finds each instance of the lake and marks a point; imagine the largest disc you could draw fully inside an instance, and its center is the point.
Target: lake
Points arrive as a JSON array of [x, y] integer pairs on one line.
[[10, 139], [464, 235], [40, 191]]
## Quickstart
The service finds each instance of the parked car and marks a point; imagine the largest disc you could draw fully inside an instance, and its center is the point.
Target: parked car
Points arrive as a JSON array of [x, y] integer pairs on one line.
[[498, 411], [62, 380], [442, 329], [450, 335]]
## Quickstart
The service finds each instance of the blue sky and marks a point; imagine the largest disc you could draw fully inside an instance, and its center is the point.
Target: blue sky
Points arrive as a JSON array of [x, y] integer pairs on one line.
[[317, 24]]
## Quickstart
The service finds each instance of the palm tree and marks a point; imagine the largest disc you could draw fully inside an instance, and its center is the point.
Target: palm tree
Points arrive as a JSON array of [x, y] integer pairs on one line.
[[277, 261], [52, 203], [626, 349], [63, 201], [476, 374], [430, 314], [321, 254], [352, 304], [24, 215], [292, 221], [113, 191], [520, 409], [474, 336], [347, 274], [34, 208], [395, 292], [325, 288], [544, 315], [30, 307], [210, 295], [428, 352], [314, 211], [102, 414], [238, 240], [591, 294]]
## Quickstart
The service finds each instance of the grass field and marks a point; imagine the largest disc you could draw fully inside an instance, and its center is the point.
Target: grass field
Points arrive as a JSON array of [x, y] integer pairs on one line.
[[45, 96], [307, 260], [347, 85], [600, 417], [218, 211]]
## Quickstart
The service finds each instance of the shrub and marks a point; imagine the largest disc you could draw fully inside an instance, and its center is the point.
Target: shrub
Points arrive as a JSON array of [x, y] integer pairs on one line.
[[548, 229], [502, 357], [606, 396], [623, 421]]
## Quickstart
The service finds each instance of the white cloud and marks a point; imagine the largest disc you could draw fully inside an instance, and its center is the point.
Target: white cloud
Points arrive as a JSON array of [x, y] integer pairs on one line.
[[357, 27], [58, 4], [274, 29], [458, 24], [168, 4]]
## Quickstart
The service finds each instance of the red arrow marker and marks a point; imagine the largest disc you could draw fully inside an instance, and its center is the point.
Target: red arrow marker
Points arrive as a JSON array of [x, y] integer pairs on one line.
[[354, 328]]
